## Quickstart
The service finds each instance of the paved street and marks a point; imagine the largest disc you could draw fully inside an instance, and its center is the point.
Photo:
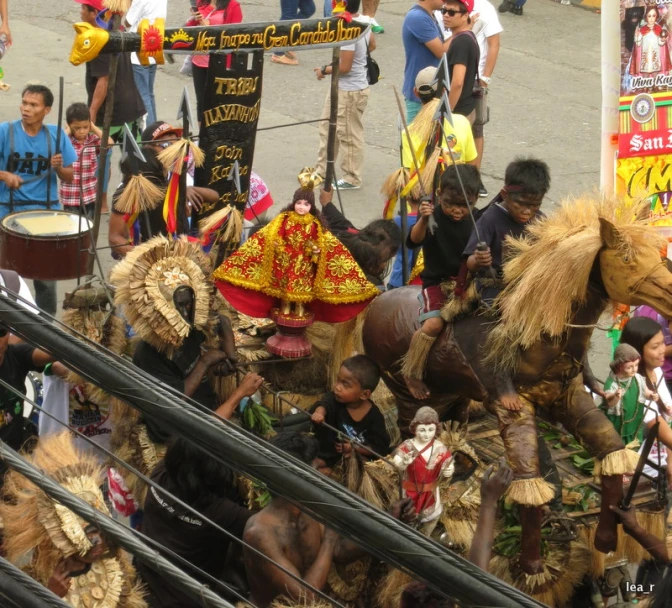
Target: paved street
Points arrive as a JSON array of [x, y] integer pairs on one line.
[[545, 95]]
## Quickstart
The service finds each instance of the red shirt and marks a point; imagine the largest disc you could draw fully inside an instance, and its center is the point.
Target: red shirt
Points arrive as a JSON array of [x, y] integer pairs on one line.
[[232, 14], [85, 172]]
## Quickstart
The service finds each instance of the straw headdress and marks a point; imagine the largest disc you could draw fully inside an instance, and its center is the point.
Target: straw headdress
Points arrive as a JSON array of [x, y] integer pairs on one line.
[[37, 527], [146, 280]]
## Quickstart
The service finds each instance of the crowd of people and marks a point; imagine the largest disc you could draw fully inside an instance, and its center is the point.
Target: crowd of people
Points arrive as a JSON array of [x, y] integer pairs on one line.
[[175, 328]]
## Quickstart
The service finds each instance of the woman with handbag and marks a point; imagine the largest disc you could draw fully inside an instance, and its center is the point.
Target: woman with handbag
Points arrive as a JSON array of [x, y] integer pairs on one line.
[[216, 12], [356, 71]]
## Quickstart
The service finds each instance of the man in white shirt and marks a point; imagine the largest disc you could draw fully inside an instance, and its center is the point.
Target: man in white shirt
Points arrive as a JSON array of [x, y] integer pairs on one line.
[[487, 30], [144, 75]]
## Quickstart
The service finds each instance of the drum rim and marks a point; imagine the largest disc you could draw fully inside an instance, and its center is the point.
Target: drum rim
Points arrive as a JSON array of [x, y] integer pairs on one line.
[[86, 224]]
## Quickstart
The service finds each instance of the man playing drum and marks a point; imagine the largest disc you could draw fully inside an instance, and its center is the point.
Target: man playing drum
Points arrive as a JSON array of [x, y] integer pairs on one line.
[[32, 157]]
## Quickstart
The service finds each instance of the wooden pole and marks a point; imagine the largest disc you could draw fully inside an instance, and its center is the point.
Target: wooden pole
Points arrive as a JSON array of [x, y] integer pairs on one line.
[[104, 148], [333, 119]]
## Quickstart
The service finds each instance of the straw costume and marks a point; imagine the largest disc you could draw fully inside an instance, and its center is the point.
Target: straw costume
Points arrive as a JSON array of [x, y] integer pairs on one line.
[[40, 530]]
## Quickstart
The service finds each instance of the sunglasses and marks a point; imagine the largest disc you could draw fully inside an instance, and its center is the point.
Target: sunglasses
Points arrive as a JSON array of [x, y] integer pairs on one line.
[[451, 12]]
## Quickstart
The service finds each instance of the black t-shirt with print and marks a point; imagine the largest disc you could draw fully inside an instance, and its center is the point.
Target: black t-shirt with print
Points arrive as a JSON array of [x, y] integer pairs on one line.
[[184, 533], [370, 430], [17, 363]]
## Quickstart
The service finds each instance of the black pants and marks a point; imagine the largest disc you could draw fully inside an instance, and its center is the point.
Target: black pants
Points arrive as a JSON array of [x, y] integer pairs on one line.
[[45, 296], [200, 76]]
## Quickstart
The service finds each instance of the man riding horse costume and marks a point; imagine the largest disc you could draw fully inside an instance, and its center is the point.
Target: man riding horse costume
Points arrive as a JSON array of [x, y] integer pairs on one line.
[[559, 279]]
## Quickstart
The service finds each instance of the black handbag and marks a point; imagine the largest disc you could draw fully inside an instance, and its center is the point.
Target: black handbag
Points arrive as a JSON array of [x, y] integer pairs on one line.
[[372, 68]]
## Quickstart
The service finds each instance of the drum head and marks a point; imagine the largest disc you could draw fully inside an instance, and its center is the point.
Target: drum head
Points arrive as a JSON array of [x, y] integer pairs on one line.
[[42, 223]]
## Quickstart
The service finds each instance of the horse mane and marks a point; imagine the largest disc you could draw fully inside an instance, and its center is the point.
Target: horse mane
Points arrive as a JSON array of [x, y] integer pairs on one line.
[[547, 271]]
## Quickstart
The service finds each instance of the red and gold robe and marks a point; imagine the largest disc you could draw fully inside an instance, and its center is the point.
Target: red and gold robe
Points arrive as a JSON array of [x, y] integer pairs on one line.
[[277, 263]]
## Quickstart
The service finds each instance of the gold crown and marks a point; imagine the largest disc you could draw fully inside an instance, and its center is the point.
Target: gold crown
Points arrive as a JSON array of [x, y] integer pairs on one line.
[[309, 178]]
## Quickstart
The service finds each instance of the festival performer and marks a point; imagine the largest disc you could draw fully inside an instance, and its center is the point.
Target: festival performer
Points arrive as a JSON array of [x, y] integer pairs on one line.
[[66, 554], [129, 225], [296, 264], [424, 461], [526, 182], [296, 541], [165, 294], [443, 270], [348, 407], [650, 52]]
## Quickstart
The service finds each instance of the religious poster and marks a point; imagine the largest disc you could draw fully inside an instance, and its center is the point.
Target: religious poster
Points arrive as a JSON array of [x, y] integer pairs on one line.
[[228, 131], [644, 159]]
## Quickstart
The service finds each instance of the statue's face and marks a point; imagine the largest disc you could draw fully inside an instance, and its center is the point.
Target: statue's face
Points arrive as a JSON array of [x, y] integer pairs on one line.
[[183, 298], [651, 16], [629, 369], [425, 432], [302, 207]]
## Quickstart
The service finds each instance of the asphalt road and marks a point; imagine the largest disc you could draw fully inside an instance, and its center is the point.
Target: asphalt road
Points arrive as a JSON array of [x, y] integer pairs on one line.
[[545, 96]]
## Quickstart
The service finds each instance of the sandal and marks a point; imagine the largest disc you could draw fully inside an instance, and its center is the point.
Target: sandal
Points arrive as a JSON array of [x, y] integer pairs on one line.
[[283, 59]]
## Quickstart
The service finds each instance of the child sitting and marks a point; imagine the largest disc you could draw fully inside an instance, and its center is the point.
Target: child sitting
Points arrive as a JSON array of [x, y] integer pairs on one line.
[[85, 138], [442, 252], [348, 408], [525, 184]]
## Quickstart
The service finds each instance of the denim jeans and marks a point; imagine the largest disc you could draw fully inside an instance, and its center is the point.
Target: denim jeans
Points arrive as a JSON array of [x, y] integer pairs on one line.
[[144, 80], [297, 9], [327, 8]]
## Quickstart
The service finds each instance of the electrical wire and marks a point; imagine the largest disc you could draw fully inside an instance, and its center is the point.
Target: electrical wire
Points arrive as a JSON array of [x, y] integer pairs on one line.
[[174, 498], [45, 595], [388, 539], [110, 528]]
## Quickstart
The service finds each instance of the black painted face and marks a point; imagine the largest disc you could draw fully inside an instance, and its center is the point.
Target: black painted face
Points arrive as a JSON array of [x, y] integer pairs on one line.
[[183, 298]]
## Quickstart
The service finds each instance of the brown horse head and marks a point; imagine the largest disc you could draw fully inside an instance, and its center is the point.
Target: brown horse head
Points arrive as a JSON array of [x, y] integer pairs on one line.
[[550, 270], [633, 270]]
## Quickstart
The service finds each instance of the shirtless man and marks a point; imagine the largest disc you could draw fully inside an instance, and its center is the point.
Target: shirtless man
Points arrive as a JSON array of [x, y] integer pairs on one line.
[[296, 541]]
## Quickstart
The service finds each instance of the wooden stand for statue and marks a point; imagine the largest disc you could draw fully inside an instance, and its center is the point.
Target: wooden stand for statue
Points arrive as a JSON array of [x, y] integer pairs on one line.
[[290, 340]]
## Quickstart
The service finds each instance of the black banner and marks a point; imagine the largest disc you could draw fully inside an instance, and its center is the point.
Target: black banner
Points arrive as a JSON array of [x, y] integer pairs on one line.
[[229, 128]]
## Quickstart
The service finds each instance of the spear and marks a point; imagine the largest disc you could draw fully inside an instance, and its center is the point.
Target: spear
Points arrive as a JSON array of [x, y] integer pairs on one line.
[[431, 224], [184, 113]]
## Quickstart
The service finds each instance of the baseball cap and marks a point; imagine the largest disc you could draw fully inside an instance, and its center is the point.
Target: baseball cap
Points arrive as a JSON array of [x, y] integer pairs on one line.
[[159, 128], [97, 4], [426, 80], [468, 4]]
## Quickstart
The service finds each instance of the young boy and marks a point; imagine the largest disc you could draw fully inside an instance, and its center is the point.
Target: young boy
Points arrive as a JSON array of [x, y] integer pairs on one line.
[[526, 182], [85, 138], [443, 261], [348, 408]]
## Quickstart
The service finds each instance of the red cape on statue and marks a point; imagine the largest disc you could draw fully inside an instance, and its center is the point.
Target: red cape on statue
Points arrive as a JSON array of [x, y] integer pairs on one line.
[[295, 259]]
